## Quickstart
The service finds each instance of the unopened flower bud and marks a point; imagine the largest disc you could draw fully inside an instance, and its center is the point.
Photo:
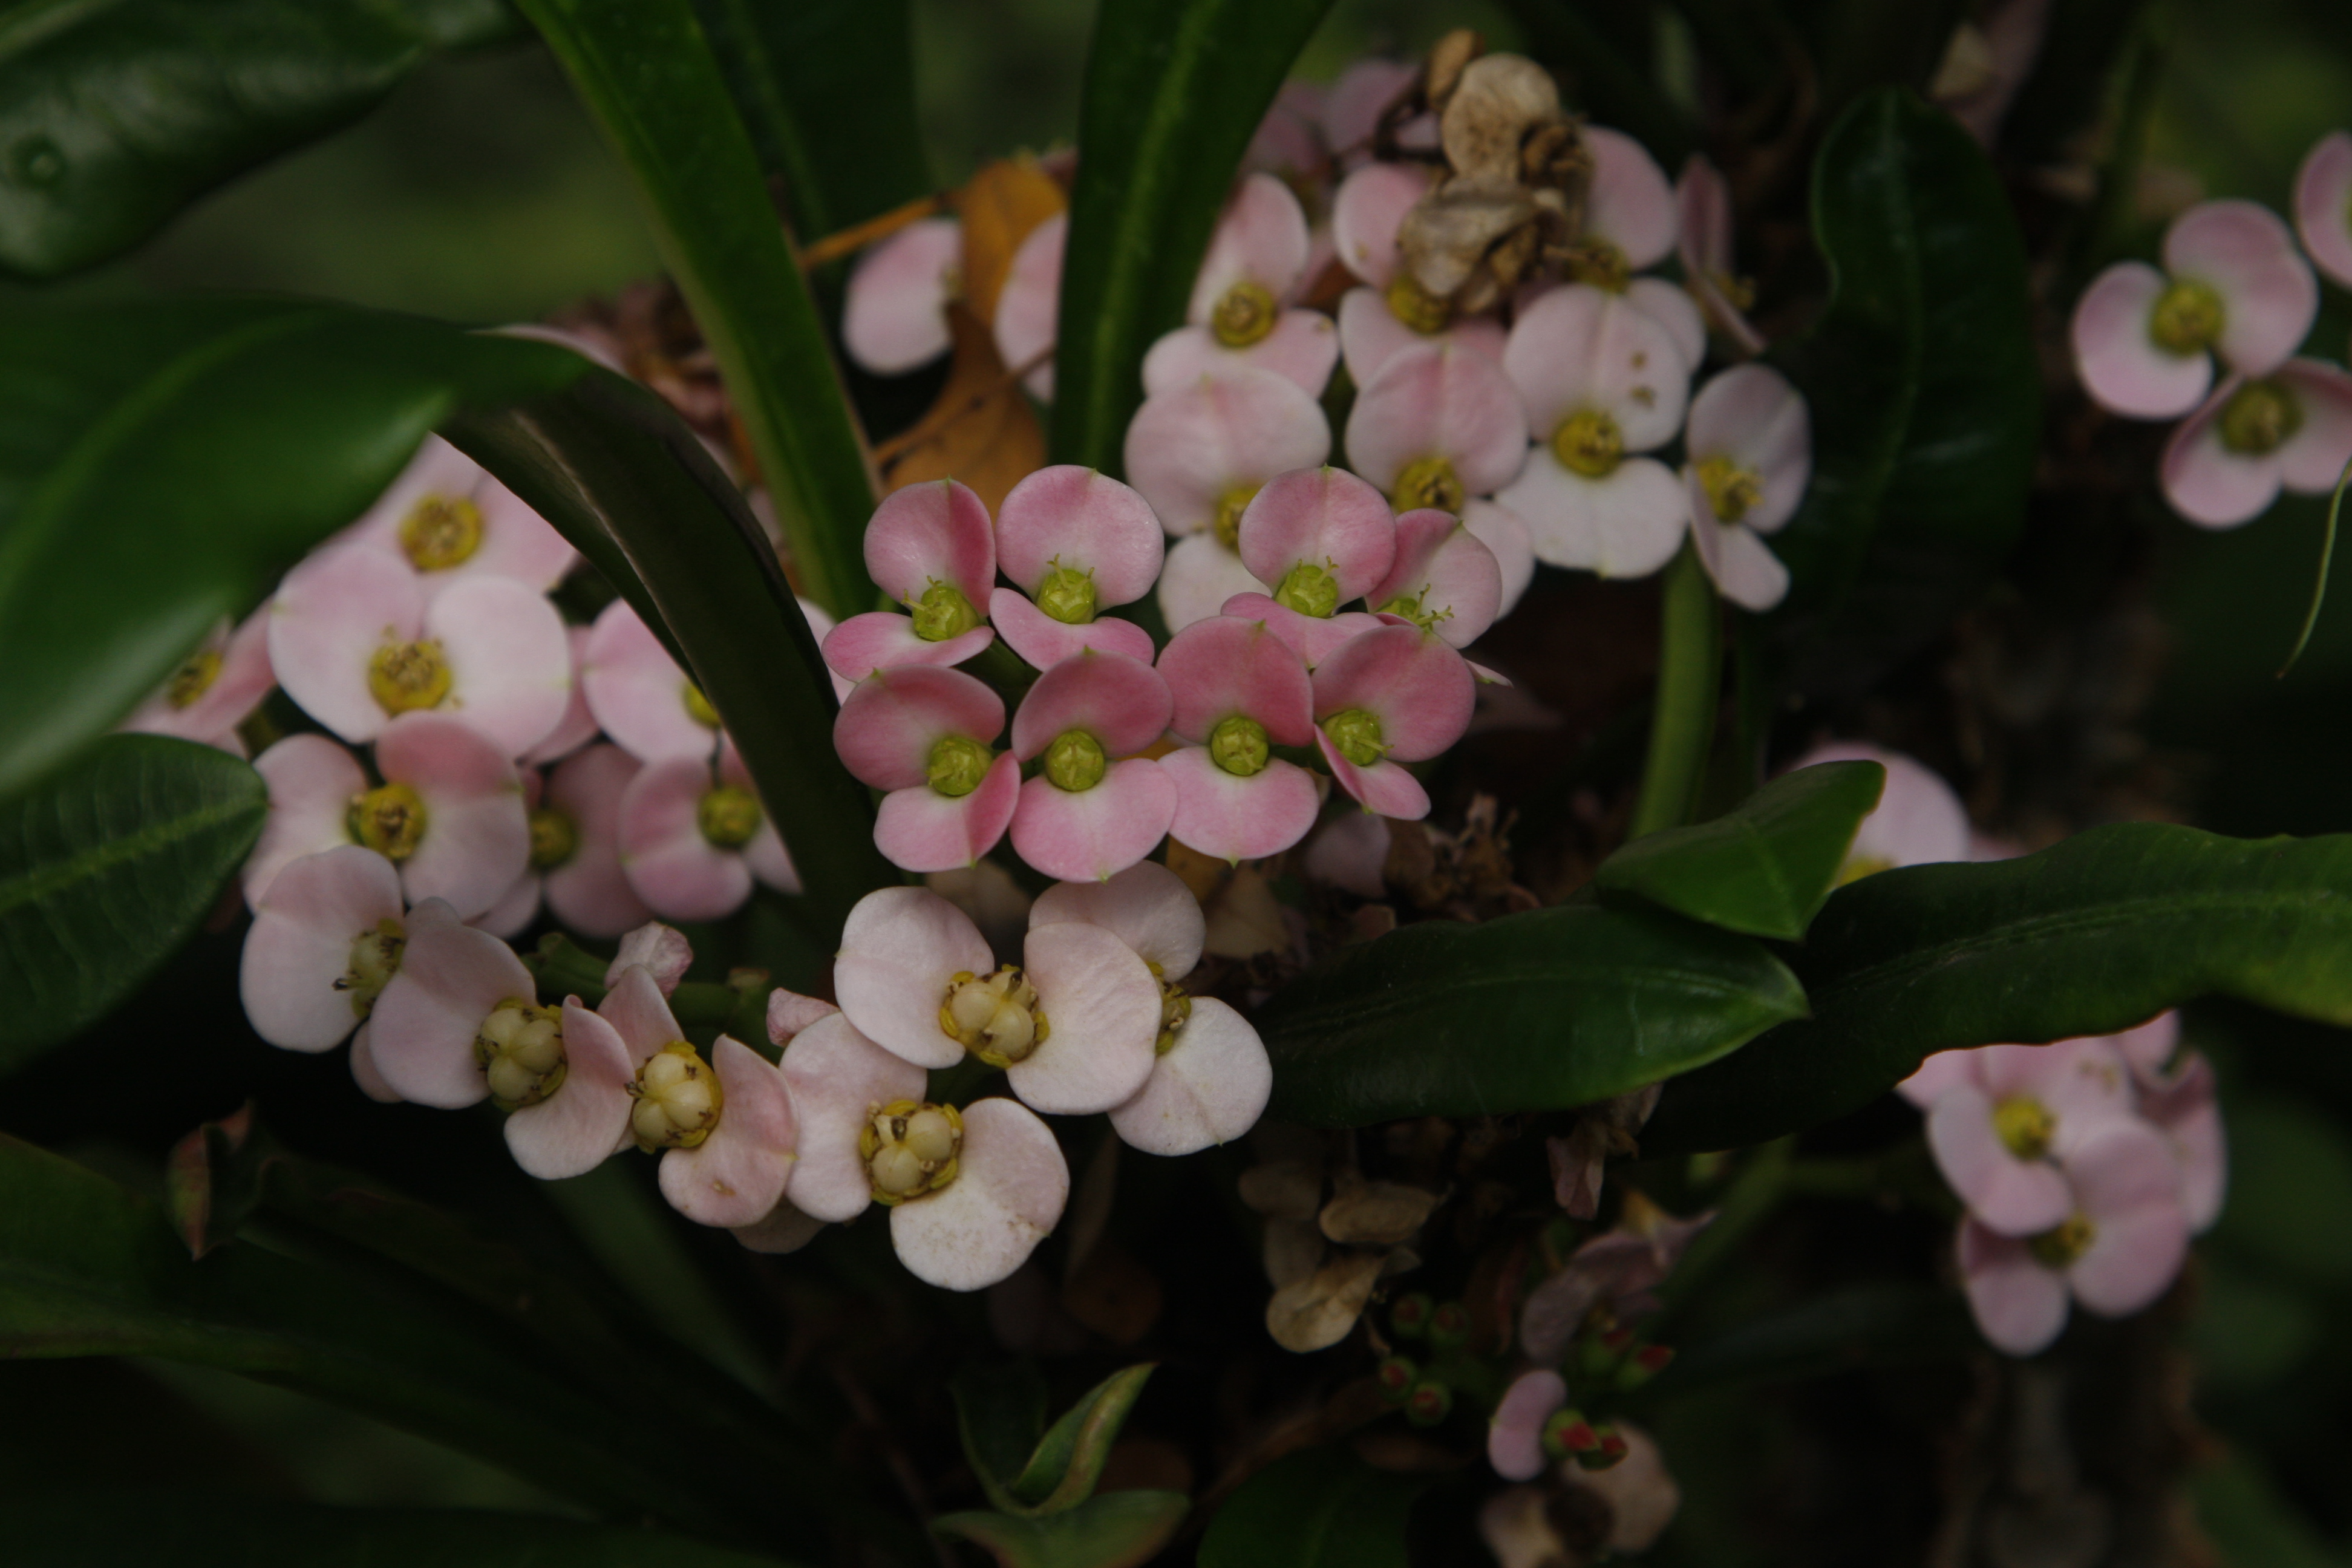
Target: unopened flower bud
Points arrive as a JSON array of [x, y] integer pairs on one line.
[[678, 1099], [1430, 1403], [1569, 1436], [1609, 1448], [1409, 1319], [956, 766], [1310, 590], [1239, 746], [910, 1148], [519, 1048], [1075, 762], [1644, 1364], [1397, 1375], [1067, 595], [1355, 732], [1449, 1327], [994, 1016]]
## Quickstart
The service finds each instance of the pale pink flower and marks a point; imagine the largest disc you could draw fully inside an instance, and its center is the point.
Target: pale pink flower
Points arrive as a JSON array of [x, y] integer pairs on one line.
[[1198, 453], [1011, 1185], [2323, 205], [1439, 425], [789, 1012], [1074, 1026], [2291, 429], [1212, 1078], [1392, 696], [2121, 1243], [1076, 542], [575, 848], [894, 314], [515, 908], [1288, 142], [1506, 535], [449, 813], [840, 1080], [1351, 854], [1256, 263], [215, 687], [1356, 101], [1515, 1434], [1630, 219], [1750, 455], [1028, 308], [1704, 243], [1918, 819], [2232, 284], [693, 839], [357, 640], [1622, 1268], [1601, 382], [1392, 312], [2000, 1135], [452, 977], [1095, 808], [2178, 1096], [1313, 638], [1318, 539], [326, 938], [1443, 578], [450, 520], [662, 951], [638, 694], [924, 734], [930, 547], [1238, 691], [578, 726]]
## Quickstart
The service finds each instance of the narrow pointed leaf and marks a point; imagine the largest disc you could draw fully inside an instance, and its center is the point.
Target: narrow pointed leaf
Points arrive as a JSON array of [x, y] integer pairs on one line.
[[1070, 1458], [1534, 1011], [1117, 1530], [1174, 89], [1763, 869], [2089, 937], [1320, 1508]]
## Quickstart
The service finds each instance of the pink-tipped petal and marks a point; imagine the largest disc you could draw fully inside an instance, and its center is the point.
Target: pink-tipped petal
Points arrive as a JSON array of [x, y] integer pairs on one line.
[[1088, 835], [1515, 1437], [477, 837], [662, 951], [1356, 100], [1627, 523], [241, 680], [2190, 1120], [1209, 1089], [437, 472], [1302, 348], [2244, 253], [2323, 205], [2122, 368], [291, 974], [509, 660], [1202, 573], [1385, 788], [637, 691], [2148, 1049], [1743, 566], [1703, 206], [738, 1174], [1752, 416], [451, 978], [789, 1012], [1007, 1197], [326, 622], [1190, 448], [1260, 240], [2312, 459], [1083, 520], [1146, 906], [679, 874], [639, 1013], [839, 1080], [1122, 702], [1224, 666], [901, 948], [1028, 310], [2205, 482], [1323, 517], [1310, 638], [516, 909], [885, 639], [929, 534], [1444, 571], [517, 543], [311, 782], [1366, 212], [2019, 1305], [1673, 309], [578, 725], [894, 313], [919, 830], [2084, 1084], [589, 892], [1103, 1008], [1439, 400], [1420, 688], [2013, 1196], [1044, 642], [887, 727], [1237, 818], [1371, 335], [770, 862], [1579, 348], [1630, 206], [574, 1130], [1504, 533]]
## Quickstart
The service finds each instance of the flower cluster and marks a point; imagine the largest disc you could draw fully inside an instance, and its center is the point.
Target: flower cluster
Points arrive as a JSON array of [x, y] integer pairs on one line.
[[2233, 288]]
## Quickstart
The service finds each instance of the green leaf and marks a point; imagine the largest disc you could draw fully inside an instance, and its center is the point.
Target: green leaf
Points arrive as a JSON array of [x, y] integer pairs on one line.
[[161, 464], [2089, 937], [607, 462], [999, 1412], [1765, 868], [136, 1529], [1533, 1012], [1000, 1416], [1174, 89], [1117, 1530], [113, 116], [645, 72], [1320, 1508], [105, 868], [1858, 45], [1887, 1324], [1070, 1458], [2244, 1512], [1923, 389], [827, 89]]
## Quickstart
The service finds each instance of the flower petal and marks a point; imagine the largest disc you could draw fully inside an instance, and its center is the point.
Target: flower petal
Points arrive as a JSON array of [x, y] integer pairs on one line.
[[784, 1229], [1752, 416], [1745, 570], [637, 691], [1190, 446], [578, 725], [1444, 569], [735, 1176], [1222, 665], [2205, 481], [1673, 309], [1506, 534], [311, 783], [1029, 307], [1628, 523], [291, 974], [1630, 205], [2122, 368], [1579, 348], [1302, 347], [1515, 1436], [1044, 642], [451, 978], [1366, 212], [364, 1073], [1439, 400], [1211, 1087], [901, 950], [839, 1080], [894, 313], [1419, 687], [1356, 100], [1918, 819], [2020, 1305], [639, 1014], [1371, 335], [662, 951], [476, 839], [887, 727], [885, 639], [1202, 573], [1936, 1075], [1351, 854], [919, 830], [1324, 517], [1071, 516], [1310, 638], [1146, 906], [1102, 1009], [1385, 787], [1121, 701], [589, 892], [516, 909], [679, 874], [2312, 459], [2013, 1196], [577, 1128], [2125, 1182], [2244, 252], [1007, 1197], [932, 533], [327, 620], [509, 660], [1260, 238], [2323, 205], [1095, 833], [1236, 818]]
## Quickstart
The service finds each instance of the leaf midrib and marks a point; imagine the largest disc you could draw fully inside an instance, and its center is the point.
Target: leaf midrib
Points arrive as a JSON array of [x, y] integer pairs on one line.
[[152, 839]]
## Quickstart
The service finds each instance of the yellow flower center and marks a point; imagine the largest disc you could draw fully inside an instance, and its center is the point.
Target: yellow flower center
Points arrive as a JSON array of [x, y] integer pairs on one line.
[[1857, 866], [1430, 481], [1243, 316], [1075, 762], [441, 531], [1239, 746], [2259, 417], [2026, 1126], [1175, 1011], [193, 678], [909, 1147], [2066, 1242], [519, 1048], [728, 815], [1599, 263], [698, 707], [958, 765], [375, 958], [389, 819], [994, 1016], [407, 677], [554, 838], [1589, 442], [1416, 306], [1230, 506], [1732, 492], [1356, 733], [678, 1099], [2187, 318]]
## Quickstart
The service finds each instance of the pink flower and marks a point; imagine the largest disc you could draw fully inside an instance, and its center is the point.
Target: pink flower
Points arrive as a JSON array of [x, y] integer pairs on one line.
[[1255, 262], [2323, 205], [1007, 1195], [575, 845], [578, 725], [1212, 1078], [423, 1032], [1076, 542], [928, 546], [924, 734], [1515, 1436], [2291, 429], [1073, 1026], [2000, 1128], [662, 951], [2177, 1095], [1394, 312], [1318, 539], [894, 314], [1600, 381], [449, 813], [1391, 696], [693, 839], [450, 520], [2231, 284], [215, 687], [1750, 455], [327, 938], [2122, 1241], [1288, 141], [1095, 808], [1353, 107], [1198, 453], [638, 693], [1705, 203], [358, 639], [1630, 216], [1439, 425], [1238, 691], [1029, 307], [1443, 578], [1916, 822]]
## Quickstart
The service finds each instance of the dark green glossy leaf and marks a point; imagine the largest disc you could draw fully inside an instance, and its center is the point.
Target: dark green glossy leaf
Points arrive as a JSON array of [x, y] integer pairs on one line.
[[1859, 45], [2089, 937], [1070, 1458], [608, 463], [1117, 1530], [163, 464], [1174, 91], [105, 868], [113, 116], [1763, 869], [1000, 1416], [646, 74], [2063, 92], [1603, 53], [1925, 393], [186, 1529], [827, 90], [1320, 1508], [1534, 1011], [1842, 1331]]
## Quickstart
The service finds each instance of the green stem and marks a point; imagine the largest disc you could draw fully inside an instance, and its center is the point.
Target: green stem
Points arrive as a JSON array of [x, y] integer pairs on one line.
[[1690, 681], [2319, 584]]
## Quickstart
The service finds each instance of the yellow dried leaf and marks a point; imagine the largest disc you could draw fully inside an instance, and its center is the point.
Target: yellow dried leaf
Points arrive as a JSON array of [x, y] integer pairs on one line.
[[982, 431], [1002, 202]]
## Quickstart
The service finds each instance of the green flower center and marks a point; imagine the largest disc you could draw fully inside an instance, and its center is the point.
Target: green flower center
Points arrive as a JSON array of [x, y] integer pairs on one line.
[[1416, 306], [2259, 417], [441, 532], [1356, 733], [1243, 316], [1430, 481], [388, 819], [2187, 317], [678, 1099], [375, 958], [1239, 746], [2026, 1126], [1075, 761], [1310, 590], [407, 677], [1068, 593], [910, 1148], [1732, 492], [2067, 1242], [957, 765], [193, 678], [1230, 506], [942, 613], [1588, 442], [728, 815], [519, 1048], [554, 838]]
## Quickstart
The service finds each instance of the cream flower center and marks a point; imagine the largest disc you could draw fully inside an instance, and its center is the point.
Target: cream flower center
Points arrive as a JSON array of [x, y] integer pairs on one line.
[[910, 1147], [994, 1016], [1430, 481], [389, 819], [519, 1048], [678, 1099], [2187, 318], [405, 676], [1244, 315], [375, 958], [1732, 492], [1589, 442], [441, 531]]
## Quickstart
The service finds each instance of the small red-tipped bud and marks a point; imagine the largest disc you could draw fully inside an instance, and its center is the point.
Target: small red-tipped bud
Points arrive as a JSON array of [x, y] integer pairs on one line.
[[1429, 1403], [1609, 1446], [1449, 1326], [1409, 1319], [1644, 1364], [1618, 1341], [1568, 1434], [1396, 1375]]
